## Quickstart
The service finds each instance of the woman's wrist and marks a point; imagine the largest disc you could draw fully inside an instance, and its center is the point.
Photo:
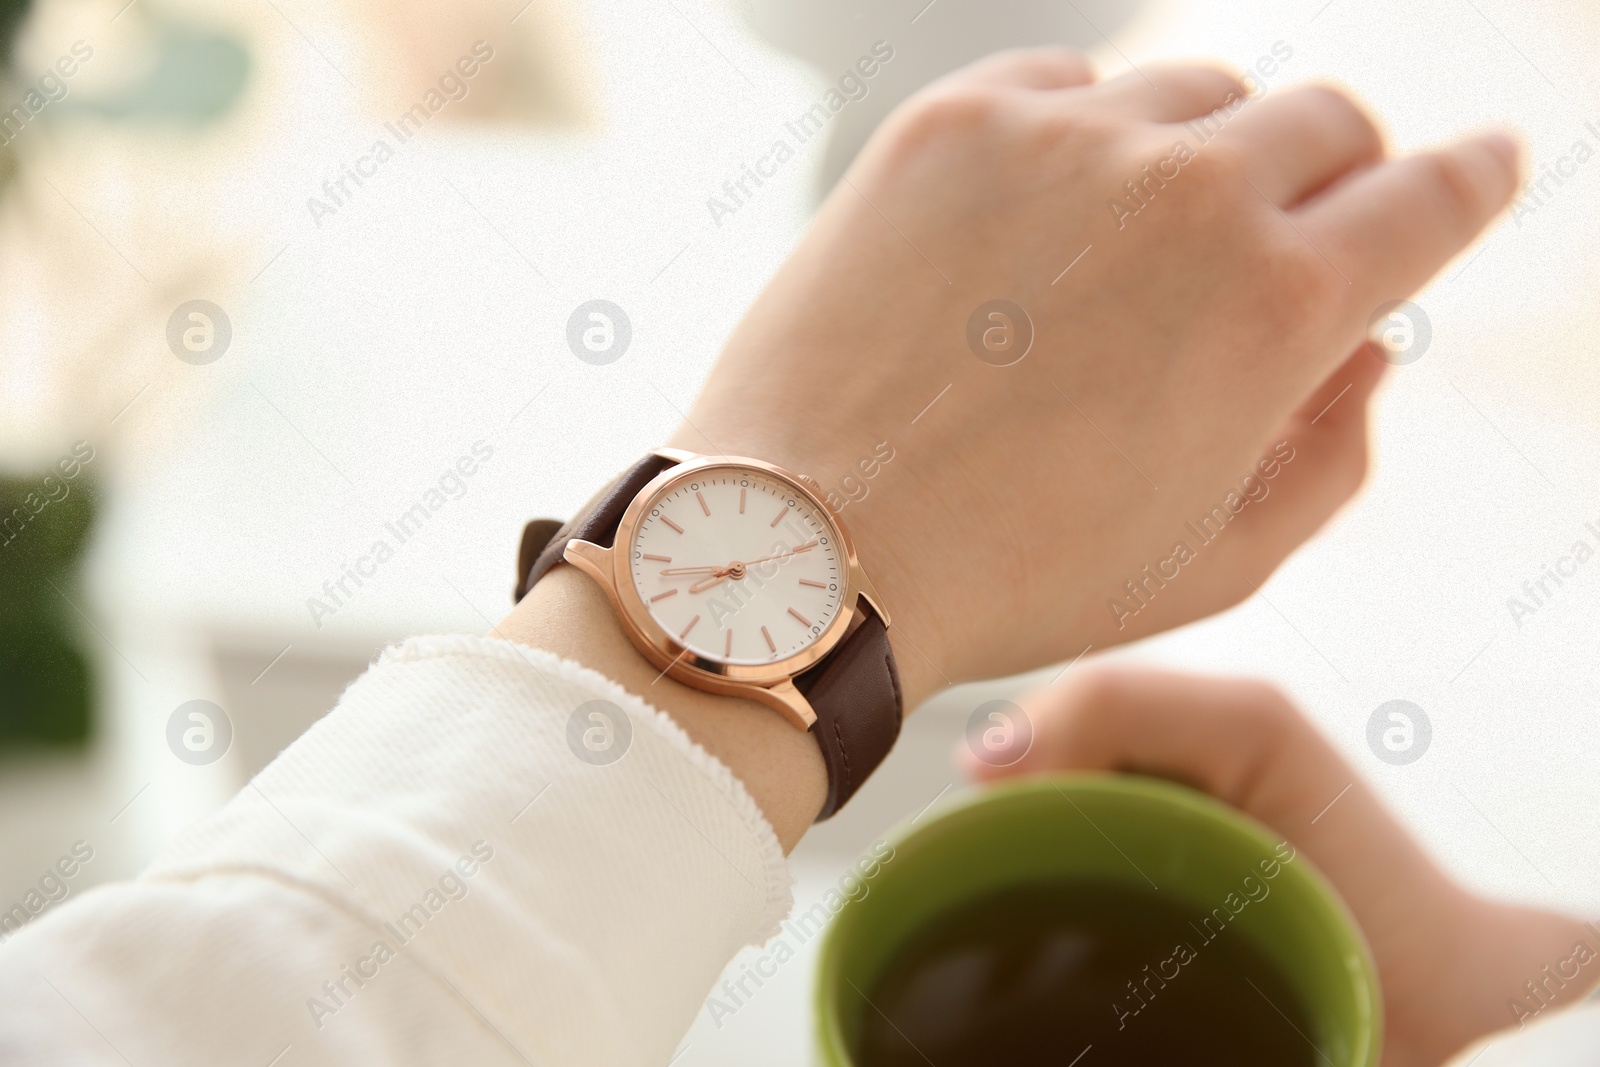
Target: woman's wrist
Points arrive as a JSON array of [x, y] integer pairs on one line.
[[567, 614], [882, 526]]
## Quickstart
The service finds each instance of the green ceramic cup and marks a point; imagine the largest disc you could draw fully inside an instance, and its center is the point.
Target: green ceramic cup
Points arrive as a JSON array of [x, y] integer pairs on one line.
[[1123, 829]]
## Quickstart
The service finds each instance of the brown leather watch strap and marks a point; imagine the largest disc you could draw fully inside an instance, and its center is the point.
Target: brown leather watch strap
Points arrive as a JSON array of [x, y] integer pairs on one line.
[[544, 540], [854, 690]]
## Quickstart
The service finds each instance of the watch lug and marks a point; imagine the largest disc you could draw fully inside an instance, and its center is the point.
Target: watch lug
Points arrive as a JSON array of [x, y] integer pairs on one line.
[[787, 701], [864, 587], [590, 558], [677, 455]]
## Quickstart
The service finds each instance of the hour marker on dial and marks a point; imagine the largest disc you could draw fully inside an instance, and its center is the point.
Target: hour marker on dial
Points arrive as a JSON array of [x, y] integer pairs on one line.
[[804, 581], [770, 646], [779, 516], [803, 620], [727, 646], [742, 492], [685, 631], [703, 505], [658, 559], [662, 596], [672, 524]]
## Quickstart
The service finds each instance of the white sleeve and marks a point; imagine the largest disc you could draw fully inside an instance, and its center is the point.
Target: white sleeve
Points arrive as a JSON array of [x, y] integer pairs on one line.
[[431, 874]]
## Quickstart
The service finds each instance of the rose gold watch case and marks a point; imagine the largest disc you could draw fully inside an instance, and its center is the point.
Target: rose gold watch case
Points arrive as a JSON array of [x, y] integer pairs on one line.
[[771, 684]]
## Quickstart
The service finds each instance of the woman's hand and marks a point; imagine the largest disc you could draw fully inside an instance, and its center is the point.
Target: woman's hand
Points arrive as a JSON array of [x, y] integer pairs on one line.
[[1198, 283], [1450, 962]]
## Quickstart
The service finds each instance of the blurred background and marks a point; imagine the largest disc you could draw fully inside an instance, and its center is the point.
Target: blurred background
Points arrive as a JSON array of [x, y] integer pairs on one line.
[[239, 340]]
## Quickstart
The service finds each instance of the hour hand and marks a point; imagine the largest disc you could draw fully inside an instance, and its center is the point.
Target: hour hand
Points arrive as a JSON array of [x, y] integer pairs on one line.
[[671, 571]]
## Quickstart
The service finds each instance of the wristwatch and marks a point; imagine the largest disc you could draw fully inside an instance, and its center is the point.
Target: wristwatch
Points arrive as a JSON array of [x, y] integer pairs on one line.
[[734, 576]]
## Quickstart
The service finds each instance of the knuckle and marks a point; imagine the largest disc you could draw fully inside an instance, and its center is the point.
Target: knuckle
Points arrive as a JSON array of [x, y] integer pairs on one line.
[[1335, 100], [1197, 84], [1025, 142], [1329, 98], [1231, 90], [1353, 119], [959, 112], [1066, 62], [1059, 58]]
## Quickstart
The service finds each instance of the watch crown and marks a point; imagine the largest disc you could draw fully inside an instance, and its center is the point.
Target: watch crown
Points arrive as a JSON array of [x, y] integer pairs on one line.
[[813, 485]]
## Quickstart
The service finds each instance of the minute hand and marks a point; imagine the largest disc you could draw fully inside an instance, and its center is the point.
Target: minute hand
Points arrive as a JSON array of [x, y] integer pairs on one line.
[[807, 547], [739, 569], [673, 571]]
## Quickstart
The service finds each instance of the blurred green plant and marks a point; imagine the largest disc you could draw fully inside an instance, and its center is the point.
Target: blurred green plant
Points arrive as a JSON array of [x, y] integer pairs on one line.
[[46, 686], [198, 75], [12, 12], [47, 690], [197, 78]]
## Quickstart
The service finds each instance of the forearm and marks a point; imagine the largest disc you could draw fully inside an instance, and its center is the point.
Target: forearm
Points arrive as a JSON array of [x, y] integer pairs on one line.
[[530, 905]]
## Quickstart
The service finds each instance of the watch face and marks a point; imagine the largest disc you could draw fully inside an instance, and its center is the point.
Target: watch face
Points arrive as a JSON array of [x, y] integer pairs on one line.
[[737, 566]]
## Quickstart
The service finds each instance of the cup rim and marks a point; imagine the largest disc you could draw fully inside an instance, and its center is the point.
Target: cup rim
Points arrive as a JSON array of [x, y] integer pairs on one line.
[[1367, 1032]]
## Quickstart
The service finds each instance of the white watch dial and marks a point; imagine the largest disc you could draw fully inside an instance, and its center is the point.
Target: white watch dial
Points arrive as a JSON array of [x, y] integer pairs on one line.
[[737, 566]]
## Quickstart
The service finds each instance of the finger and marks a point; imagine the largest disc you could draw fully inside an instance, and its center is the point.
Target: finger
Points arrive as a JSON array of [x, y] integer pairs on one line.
[[1299, 142], [1347, 389], [1392, 227], [1243, 742], [1220, 735], [1034, 68], [1329, 438], [1313, 466], [1237, 739], [1169, 92]]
